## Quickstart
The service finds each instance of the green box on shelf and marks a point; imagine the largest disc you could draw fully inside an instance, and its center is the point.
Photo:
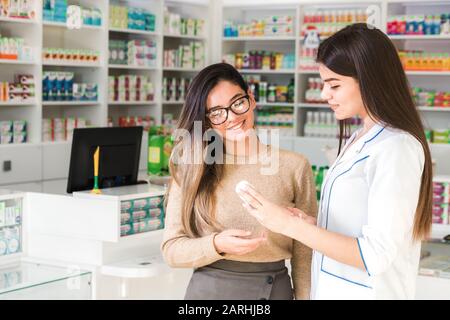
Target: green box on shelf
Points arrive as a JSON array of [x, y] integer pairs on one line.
[[441, 136]]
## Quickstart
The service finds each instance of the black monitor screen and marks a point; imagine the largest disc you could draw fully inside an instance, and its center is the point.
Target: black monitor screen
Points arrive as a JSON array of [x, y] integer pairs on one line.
[[120, 149]]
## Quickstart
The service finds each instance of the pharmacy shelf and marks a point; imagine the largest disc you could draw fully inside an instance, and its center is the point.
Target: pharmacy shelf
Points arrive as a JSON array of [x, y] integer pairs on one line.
[[54, 143], [132, 103], [10, 61], [437, 109], [128, 67], [180, 36], [417, 2], [134, 31], [275, 104], [308, 71], [313, 105], [263, 71], [70, 64], [18, 20], [419, 37], [19, 145], [173, 102], [70, 103], [18, 103], [439, 231], [443, 146], [262, 38], [428, 73], [64, 25], [181, 69]]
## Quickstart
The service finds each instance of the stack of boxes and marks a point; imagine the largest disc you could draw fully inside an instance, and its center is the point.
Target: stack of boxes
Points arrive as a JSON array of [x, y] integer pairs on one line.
[[269, 26], [131, 18], [281, 119], [176, 25], [186, 56], [13, 131], [441, 202], [70, 55], [175, 89], [55, 10], [21, 90], [60, 129], [15, 49], [140, 53], [10, 222], [132, 88], [118, 52], [437, 135], [131, 121], [59, 86], [431, 98], [91, 16], [24, 9], [141, 215]]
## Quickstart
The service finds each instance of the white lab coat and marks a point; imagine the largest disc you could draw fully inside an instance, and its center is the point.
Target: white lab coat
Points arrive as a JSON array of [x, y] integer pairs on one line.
[[371, 193]]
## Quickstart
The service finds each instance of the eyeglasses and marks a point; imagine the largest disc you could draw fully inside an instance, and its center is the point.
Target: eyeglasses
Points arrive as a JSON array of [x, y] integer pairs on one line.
[[220, 115]]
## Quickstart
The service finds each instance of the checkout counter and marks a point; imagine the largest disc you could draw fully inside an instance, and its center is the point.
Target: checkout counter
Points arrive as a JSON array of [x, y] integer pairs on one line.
[[107, 246], [87, 246]]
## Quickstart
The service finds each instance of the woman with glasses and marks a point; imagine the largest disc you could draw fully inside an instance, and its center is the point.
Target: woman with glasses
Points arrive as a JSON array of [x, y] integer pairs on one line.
[[206, 227]]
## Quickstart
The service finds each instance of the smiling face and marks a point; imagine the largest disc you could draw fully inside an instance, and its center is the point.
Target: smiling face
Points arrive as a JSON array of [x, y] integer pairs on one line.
[[226, 94], [342, 94]]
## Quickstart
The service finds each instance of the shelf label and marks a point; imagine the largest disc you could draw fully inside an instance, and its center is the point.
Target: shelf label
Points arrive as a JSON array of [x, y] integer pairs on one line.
[[74, 17]]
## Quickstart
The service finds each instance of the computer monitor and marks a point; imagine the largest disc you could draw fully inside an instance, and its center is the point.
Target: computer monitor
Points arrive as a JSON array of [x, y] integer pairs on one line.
[[120, 149]]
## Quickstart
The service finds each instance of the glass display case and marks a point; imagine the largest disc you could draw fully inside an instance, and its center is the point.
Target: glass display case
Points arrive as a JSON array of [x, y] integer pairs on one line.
[[33, 281]]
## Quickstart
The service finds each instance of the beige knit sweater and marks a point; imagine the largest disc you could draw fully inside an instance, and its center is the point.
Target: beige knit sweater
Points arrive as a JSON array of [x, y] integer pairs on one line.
[[292, 186]]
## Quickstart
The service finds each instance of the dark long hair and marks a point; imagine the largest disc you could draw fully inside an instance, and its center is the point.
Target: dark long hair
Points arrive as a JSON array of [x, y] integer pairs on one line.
[[366, 54], [199, 181]]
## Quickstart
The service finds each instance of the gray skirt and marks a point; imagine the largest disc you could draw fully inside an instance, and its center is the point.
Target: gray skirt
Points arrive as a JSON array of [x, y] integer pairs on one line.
[[234, 280]]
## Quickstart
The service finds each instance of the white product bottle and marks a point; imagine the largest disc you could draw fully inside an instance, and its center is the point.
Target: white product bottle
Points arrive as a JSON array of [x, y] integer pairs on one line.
[[330, 126], [316, 124], [308, 123], [323, 124]]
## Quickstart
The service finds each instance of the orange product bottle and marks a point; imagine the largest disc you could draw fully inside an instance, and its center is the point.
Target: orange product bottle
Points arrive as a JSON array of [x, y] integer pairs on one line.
[[432, 62], [402, 56], [425, 61], [446, 62], [409, 61], [417, 61], [439, 62]]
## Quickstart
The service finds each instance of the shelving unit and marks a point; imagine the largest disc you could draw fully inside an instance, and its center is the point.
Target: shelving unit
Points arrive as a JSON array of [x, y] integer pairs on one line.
[[179, 36], [18, 20], [132, 31], [173, 39], [70, 103], [128, 67], [70, 64], [244, 13], [433, 117], [41, 34]]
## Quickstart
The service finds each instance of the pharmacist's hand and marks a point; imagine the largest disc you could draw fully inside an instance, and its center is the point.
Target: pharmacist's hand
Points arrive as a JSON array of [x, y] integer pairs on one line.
[[300, 214], [272, 216], [236, 242]]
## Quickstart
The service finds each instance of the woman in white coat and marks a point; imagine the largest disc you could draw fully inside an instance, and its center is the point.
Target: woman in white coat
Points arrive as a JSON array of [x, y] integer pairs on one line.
[[377, 197]]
